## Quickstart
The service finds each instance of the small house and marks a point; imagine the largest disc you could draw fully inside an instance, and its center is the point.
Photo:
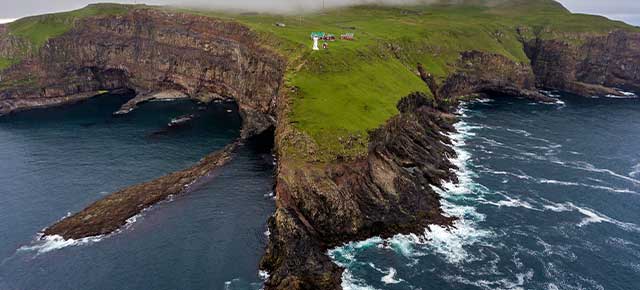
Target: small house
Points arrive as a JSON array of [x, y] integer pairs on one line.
[[347, 36], [329, 37]]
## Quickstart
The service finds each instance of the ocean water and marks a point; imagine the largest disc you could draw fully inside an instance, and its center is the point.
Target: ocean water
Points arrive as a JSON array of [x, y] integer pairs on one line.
[[549, 198], [59, 160]]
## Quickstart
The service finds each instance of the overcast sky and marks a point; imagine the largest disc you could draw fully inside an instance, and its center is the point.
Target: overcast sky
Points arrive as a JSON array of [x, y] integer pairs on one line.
[[626, 10]]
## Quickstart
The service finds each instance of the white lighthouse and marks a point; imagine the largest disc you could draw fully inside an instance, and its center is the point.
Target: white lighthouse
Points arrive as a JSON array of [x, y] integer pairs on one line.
[[315, 43]]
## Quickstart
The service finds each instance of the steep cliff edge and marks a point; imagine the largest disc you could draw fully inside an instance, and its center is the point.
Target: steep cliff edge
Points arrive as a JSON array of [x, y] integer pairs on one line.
[[151, 51], [386, 192], [354, 162], [594, 66]]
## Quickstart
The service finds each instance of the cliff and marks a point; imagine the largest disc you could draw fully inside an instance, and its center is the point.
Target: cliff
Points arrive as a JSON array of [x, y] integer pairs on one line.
[[384, 193], [151, 51], [357, 156], [592, 67]]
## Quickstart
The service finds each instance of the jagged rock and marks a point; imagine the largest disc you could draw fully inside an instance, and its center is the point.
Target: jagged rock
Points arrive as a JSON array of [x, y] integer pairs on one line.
[[594, 67], [387, 192], [481, 72]]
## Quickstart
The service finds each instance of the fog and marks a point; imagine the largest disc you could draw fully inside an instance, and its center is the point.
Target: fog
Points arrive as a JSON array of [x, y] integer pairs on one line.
[[627, 10]]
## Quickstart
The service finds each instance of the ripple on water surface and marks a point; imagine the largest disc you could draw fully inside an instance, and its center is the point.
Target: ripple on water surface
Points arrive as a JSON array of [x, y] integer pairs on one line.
[[59, 160], [547, 199]]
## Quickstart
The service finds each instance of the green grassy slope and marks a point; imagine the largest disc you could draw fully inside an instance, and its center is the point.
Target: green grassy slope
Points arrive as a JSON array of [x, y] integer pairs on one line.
[[38, 29], [353, 87]]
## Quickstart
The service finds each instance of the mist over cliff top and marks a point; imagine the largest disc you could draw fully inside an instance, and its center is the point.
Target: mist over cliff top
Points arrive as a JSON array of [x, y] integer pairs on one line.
[[627, 10]]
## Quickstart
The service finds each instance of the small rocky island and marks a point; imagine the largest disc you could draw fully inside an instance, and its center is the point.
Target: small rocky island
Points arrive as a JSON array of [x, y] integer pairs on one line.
[[360, 129]]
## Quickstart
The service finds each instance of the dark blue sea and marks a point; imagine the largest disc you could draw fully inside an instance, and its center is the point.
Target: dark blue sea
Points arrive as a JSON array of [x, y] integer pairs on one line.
[[57, 161], [549, 198]]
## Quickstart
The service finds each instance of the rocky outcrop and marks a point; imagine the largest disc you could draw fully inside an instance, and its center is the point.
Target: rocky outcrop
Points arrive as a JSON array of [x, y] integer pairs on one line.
[[151, 51], [12, 46], [389, 191], [141, 98], [594, 66], [481, 72], [109, 214]]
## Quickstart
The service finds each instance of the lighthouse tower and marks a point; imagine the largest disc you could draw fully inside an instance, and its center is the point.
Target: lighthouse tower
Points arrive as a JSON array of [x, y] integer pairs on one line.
[[315, 43]]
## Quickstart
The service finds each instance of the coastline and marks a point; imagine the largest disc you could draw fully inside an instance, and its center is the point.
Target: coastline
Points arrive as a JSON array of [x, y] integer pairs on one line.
[[386, 190], [116, 210]]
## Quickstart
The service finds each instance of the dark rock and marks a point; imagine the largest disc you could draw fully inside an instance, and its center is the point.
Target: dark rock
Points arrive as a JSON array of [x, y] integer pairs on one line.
[[150, 50], [109, 214], [387, 192], [594, 67]]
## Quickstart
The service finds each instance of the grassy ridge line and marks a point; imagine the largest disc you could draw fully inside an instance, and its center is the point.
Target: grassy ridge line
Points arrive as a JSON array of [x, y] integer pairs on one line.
[[353, 87], [38, 29]]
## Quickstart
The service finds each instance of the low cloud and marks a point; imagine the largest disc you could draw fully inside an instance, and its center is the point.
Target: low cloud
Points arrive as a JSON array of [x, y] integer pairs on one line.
[[627, 10]]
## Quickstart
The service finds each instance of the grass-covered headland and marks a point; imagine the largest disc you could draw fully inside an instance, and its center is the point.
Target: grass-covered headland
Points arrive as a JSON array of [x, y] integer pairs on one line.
[[338, 94]]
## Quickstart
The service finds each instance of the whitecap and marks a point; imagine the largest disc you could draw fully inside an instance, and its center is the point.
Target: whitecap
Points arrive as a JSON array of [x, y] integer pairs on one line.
[[623, 95], [510, 202], [569, 183], [349, 282], [635, 171], [591, 216], [390, 278], [590, 167], [264, 275], [517, 284], [45, 244]]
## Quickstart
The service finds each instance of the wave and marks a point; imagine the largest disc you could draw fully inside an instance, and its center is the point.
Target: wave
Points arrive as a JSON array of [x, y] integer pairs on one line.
[[45, 244], [581, 165], [591, 216], [517, 284], [635, 171], [524, 176], [390, 278], [624, 95]]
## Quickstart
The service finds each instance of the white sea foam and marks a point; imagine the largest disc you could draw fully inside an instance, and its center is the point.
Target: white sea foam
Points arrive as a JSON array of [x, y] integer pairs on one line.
[[510, 202], [590, 167], [624, 95], [591, 216], [264, 275], [45, 244], [635, 171], [349, 282], [390, 278], [517, 284]]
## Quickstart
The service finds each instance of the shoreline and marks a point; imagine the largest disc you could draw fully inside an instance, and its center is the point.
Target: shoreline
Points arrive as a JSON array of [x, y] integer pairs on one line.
[[111, 213]]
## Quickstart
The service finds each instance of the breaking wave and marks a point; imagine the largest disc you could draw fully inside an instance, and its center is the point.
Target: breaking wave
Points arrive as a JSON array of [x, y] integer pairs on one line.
[[45, 244]]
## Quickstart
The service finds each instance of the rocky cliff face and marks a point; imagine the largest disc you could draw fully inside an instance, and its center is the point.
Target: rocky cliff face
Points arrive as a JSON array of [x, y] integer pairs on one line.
[[11, 46], [385, 193], [150, 51], [593, 67], [480, 72], [319, 206]]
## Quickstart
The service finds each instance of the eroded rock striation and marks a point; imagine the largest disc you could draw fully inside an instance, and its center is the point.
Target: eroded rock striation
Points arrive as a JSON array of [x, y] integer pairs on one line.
[[151, 51], [481, 72], [595, 66], [319, 206], [384, 193]]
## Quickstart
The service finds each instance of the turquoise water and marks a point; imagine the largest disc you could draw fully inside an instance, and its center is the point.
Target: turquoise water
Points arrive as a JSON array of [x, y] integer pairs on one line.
[[55, 161], [549, 198]]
